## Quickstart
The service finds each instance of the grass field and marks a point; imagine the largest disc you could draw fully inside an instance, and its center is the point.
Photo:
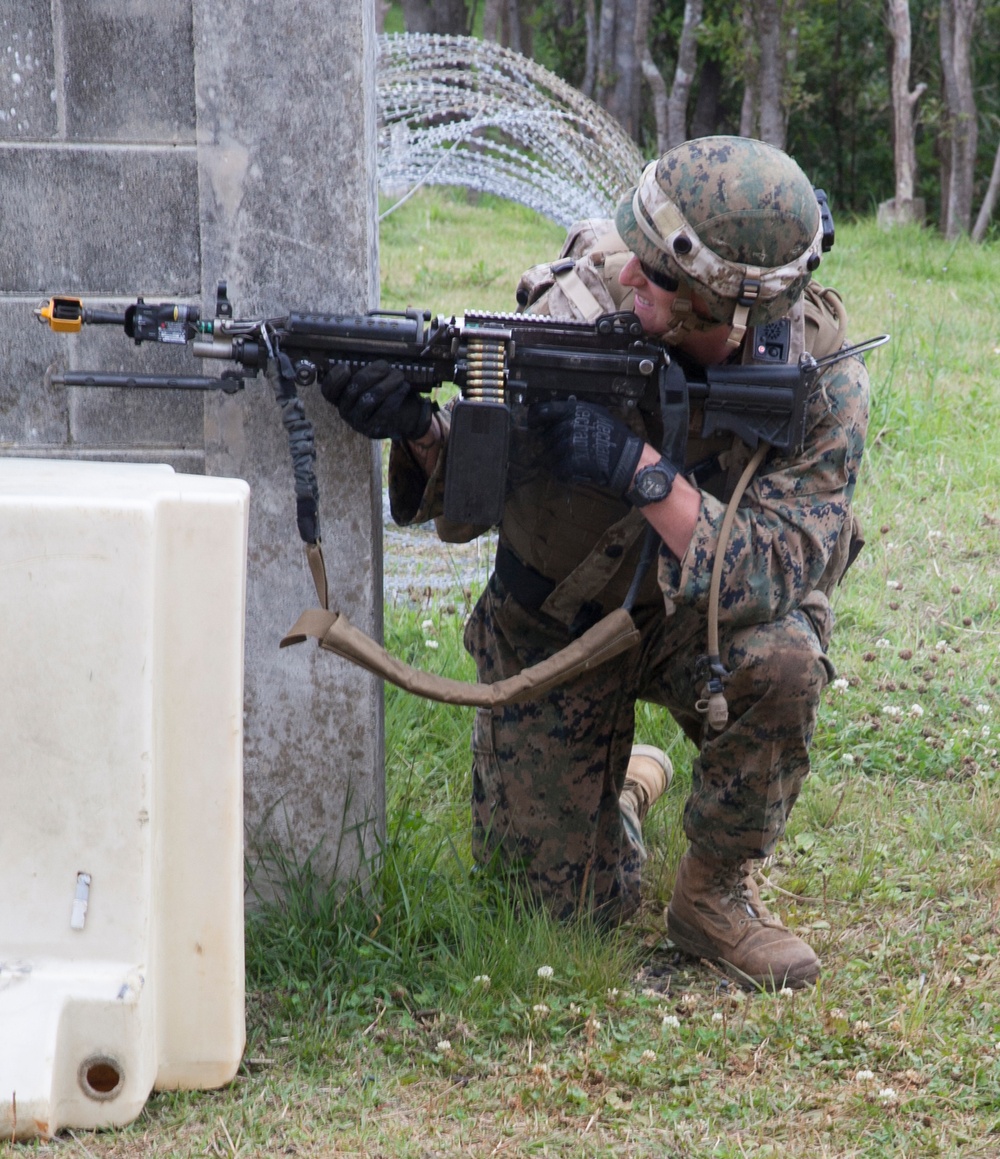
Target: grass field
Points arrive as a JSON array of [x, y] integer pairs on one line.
[[417, 1021]]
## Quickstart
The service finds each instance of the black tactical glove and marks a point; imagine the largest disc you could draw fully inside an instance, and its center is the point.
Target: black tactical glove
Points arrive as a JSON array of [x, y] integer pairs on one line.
[[378, 402], [586, 444]]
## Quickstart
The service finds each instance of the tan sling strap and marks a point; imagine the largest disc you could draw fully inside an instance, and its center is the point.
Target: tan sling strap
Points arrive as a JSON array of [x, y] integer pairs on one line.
[[615, 634], [714, 706]]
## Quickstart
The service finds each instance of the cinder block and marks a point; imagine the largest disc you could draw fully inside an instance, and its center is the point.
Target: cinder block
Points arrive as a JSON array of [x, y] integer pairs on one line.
[[144, 51], [30, 412], [99, 221], [27, 72], [135, 417]]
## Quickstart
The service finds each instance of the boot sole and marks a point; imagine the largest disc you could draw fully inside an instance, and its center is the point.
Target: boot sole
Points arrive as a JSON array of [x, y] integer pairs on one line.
[[689, 941]]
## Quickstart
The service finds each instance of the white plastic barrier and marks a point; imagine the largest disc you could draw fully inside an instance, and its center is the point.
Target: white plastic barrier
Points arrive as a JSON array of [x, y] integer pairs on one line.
[[122, 595]]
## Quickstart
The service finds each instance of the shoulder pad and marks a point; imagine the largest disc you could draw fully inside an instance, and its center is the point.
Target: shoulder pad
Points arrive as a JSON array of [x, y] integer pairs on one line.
[[825, 319], [581, 236]]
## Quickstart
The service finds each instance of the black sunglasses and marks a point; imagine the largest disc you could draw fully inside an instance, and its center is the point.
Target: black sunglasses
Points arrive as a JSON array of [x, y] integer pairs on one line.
[[663, 281]]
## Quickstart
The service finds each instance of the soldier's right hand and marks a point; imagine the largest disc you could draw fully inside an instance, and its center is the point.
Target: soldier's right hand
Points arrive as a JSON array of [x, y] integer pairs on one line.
[[377, 401]]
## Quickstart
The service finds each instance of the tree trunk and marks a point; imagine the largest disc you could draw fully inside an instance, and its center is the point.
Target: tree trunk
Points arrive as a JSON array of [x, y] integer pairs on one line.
[[680, 92], [751, 71], [904, 102], [590, 61], [502, 23], [619, 88], [772, 73], [989, 201], [790, 25], [957, 18], [651, 74], [493, 20], [448, 17], [705, 121]]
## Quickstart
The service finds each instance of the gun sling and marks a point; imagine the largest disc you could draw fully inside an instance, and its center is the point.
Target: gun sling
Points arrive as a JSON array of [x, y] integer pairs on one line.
[[614, 634]]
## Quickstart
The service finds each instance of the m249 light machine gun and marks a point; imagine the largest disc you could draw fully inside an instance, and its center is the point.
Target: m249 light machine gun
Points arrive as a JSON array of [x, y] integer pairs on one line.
[[496, 360]]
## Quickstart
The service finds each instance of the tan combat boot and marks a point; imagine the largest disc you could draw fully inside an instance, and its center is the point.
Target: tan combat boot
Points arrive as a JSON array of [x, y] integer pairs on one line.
[[716, 913], [647, 778]]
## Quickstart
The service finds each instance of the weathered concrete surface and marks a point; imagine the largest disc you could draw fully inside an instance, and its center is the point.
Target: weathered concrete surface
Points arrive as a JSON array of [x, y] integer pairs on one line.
[[156, 148]]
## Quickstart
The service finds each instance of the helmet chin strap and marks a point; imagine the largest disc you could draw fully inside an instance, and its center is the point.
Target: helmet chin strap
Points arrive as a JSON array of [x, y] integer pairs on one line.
[[686, 321]]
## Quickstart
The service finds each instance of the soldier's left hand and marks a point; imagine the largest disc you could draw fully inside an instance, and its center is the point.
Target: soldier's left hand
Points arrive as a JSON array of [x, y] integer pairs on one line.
[[585, 443], [377, 401]]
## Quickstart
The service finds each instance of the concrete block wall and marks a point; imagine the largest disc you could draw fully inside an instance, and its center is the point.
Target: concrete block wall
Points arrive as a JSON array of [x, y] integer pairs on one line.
[[155, 147]]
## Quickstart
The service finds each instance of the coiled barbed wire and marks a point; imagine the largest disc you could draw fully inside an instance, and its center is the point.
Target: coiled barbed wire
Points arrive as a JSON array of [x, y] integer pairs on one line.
[[454, 110]]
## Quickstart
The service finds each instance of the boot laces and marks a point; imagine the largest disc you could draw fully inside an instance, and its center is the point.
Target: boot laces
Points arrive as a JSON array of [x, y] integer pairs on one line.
[[738, 889]]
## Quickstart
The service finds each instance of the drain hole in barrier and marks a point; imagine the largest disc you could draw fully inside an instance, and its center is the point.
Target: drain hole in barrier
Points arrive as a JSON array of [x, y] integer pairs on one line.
[[101, 1077]]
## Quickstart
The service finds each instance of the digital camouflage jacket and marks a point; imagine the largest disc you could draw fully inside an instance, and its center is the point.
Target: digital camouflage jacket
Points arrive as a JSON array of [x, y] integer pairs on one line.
[[794, 533]]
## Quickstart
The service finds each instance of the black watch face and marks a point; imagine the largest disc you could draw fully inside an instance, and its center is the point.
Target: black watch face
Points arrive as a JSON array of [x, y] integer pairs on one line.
[[653, 485]]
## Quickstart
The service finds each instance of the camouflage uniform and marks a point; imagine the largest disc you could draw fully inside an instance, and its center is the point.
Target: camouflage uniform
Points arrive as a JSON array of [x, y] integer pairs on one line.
[[547, 773]]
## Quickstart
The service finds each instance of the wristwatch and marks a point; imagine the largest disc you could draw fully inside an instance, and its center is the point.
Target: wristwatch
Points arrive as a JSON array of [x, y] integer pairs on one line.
[[652, 483]]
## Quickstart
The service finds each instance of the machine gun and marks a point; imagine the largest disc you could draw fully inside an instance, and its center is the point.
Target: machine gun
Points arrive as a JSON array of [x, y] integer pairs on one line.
[[496, 360]]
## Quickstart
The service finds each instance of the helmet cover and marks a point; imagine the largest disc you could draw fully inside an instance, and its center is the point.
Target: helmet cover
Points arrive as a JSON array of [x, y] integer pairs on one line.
[[732, 218]]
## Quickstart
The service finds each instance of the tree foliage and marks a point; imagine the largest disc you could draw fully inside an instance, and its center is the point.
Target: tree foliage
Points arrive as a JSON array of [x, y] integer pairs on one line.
[[813, 74]]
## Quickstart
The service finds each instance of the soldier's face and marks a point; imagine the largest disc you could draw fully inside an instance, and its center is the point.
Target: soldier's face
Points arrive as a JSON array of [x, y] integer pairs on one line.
[[652, 305]]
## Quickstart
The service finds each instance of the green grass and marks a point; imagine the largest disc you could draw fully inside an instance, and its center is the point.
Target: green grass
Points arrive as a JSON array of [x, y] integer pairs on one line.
[[371, 1028]]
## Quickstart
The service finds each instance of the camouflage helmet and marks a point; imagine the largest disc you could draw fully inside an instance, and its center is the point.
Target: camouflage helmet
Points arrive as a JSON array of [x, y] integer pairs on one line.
[[734, 219]]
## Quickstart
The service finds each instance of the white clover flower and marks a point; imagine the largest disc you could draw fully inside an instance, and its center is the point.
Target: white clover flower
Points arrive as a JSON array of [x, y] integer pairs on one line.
[[717, 1016], [427, 626], [882, 642], [916, 711], [894, 585], [848, 758], [540, 1009], [887, 1095], [430, 644], [482, 980], [574, 1008], [613, 994], [892, 710], [864, 1076], [671, 1022], [941, 646], [647, 1056], [443, 1046], [841, 684], [545, 971], [984, 732], [786, 992], [983, 709]]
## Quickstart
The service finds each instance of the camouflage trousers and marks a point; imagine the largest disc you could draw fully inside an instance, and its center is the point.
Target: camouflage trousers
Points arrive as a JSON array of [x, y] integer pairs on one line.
[[547, 773]]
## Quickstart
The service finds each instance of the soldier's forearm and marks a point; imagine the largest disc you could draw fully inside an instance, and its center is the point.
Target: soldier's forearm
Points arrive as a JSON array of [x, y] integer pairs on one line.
[[427, 449], [674, 518]]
